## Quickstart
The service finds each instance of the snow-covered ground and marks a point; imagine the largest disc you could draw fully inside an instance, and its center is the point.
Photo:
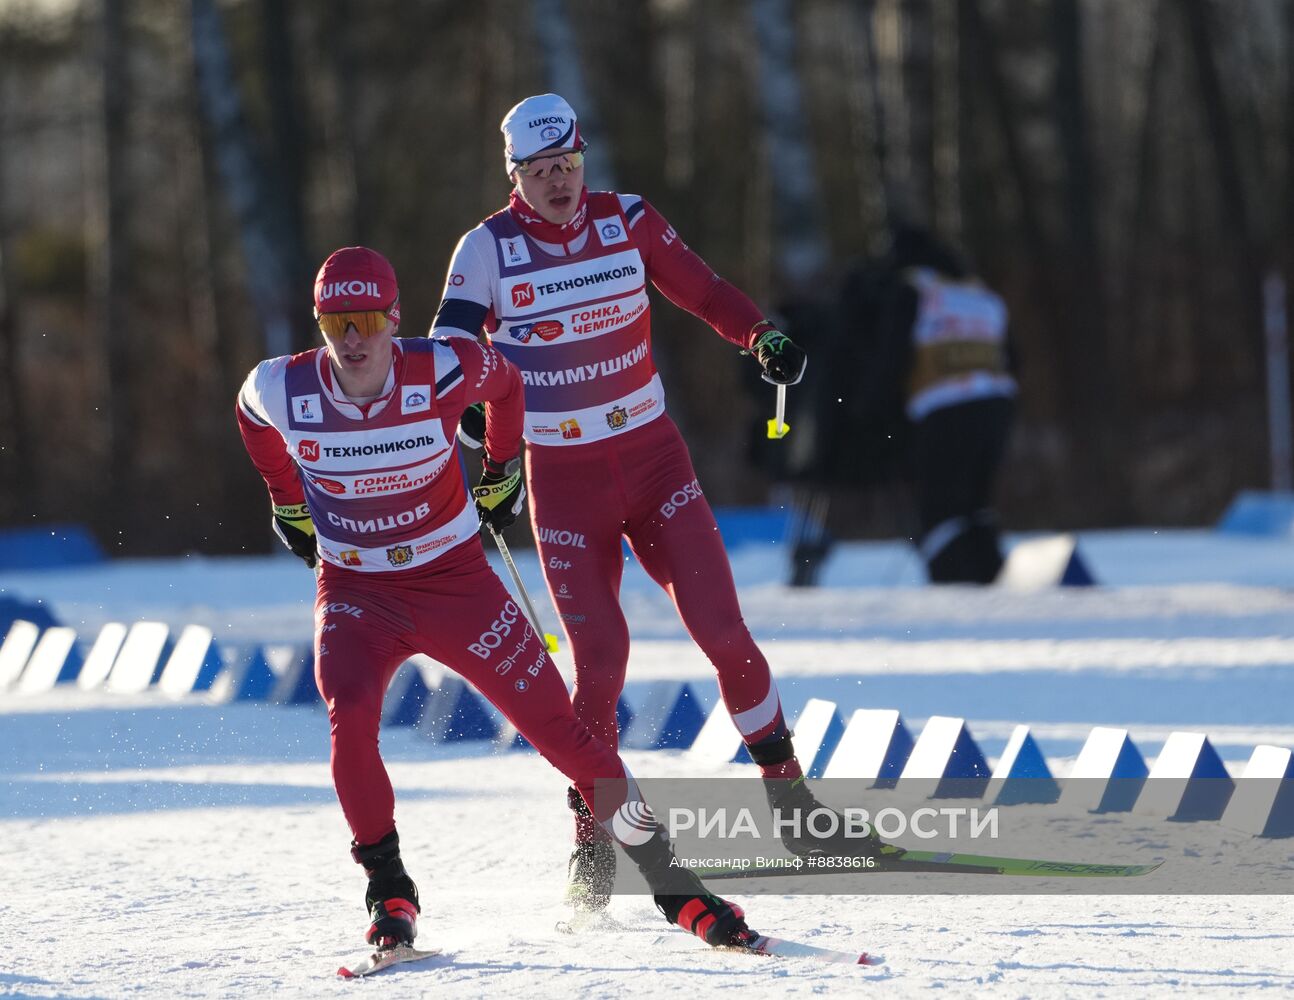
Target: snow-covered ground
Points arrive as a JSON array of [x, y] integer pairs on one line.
[[183, 849]]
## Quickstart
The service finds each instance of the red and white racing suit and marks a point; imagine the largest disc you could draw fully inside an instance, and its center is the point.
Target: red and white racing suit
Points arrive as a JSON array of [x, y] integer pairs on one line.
[[403, 570], [568, 306]]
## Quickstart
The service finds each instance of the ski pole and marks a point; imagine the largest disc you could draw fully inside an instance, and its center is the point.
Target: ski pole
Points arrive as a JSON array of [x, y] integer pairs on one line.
[[550, 640], [778, 428]]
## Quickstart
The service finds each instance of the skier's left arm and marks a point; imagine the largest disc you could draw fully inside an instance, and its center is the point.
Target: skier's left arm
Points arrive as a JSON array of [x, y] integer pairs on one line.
[[687, 281]]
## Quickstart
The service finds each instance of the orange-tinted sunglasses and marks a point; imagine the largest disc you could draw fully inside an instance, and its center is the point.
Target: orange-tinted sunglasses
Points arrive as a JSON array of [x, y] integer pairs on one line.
[[368, 322], [542, 166]]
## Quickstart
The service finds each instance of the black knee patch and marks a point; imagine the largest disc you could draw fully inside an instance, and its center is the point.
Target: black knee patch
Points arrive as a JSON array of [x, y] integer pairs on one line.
[[775, 750], [376, 855]]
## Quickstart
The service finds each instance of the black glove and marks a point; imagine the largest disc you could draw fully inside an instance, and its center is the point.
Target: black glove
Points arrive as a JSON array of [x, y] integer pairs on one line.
[[782, 361], [471, 426], [293, 525], [501, 495]]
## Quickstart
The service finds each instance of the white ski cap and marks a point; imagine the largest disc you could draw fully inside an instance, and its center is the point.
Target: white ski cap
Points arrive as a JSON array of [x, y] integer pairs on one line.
[[542, 122]]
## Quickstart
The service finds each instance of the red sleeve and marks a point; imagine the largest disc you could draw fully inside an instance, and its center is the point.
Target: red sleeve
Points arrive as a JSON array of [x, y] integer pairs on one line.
[[490, 378], [687, 281], [269, 453]]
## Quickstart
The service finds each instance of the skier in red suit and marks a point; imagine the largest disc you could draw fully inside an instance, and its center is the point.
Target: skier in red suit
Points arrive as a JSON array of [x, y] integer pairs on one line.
[[355, 441], [558, 282]]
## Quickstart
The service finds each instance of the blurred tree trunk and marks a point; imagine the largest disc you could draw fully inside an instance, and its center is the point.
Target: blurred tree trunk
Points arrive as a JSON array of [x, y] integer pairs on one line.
[[945, 165], [978, 39], [1286, 249], [800, 247], [16, 468], [865, 11], [115, 266], [677, 52], [340, 63], [918, 92], [1095, 383], [288, 143], [1145, 167], [1235, 205], [244, 179], [563, 71]]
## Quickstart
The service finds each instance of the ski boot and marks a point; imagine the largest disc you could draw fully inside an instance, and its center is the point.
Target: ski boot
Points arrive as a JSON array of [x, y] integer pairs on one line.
[[683, 899], [592, 868], [391, 898], [787, 798]]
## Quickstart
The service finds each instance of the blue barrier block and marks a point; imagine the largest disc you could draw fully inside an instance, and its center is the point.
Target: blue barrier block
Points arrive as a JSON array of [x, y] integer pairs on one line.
[[454, 712], [669, 718], [1266, 515], [14, 609], [946, 761], [1022, 774], [1263, 802], [1108, 775], [297, 685], [1053, 561], [1188, 782], [406, 698], [48, 545], [874, 748], [753, 525], [247, 674]]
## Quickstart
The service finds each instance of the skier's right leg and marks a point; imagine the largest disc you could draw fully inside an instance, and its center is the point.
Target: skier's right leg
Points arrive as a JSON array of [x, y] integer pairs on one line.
[[357, 650], [578, 520], [513, 670]]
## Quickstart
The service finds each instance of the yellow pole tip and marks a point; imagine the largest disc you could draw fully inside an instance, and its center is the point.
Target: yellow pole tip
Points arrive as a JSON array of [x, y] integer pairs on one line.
[[777, 431]]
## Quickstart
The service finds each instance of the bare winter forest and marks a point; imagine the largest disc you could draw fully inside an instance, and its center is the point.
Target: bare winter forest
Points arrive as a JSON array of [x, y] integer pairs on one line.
[[173, 171]]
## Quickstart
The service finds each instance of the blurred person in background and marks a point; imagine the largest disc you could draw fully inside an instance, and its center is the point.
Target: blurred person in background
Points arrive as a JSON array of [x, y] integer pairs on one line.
[[557, 280], [355, 441], [930, 345]]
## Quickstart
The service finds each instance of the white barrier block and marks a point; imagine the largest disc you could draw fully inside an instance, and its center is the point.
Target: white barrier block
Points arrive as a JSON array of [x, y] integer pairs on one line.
[[136, 663], [719, 741], [102, 655], [946, 762], [817, 734], [1045, 562], [1022, 774], [874, 748], [53, 661], [193, 665], [1108, 774], [1188, 782], [16, 650], [1263, 803]]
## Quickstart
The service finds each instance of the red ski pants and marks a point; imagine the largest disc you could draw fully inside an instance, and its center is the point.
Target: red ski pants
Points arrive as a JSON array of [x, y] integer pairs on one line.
[[456, 611], [640, 485]]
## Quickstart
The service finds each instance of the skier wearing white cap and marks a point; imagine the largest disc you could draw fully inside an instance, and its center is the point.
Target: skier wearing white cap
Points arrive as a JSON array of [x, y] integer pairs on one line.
[[558, 282]]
